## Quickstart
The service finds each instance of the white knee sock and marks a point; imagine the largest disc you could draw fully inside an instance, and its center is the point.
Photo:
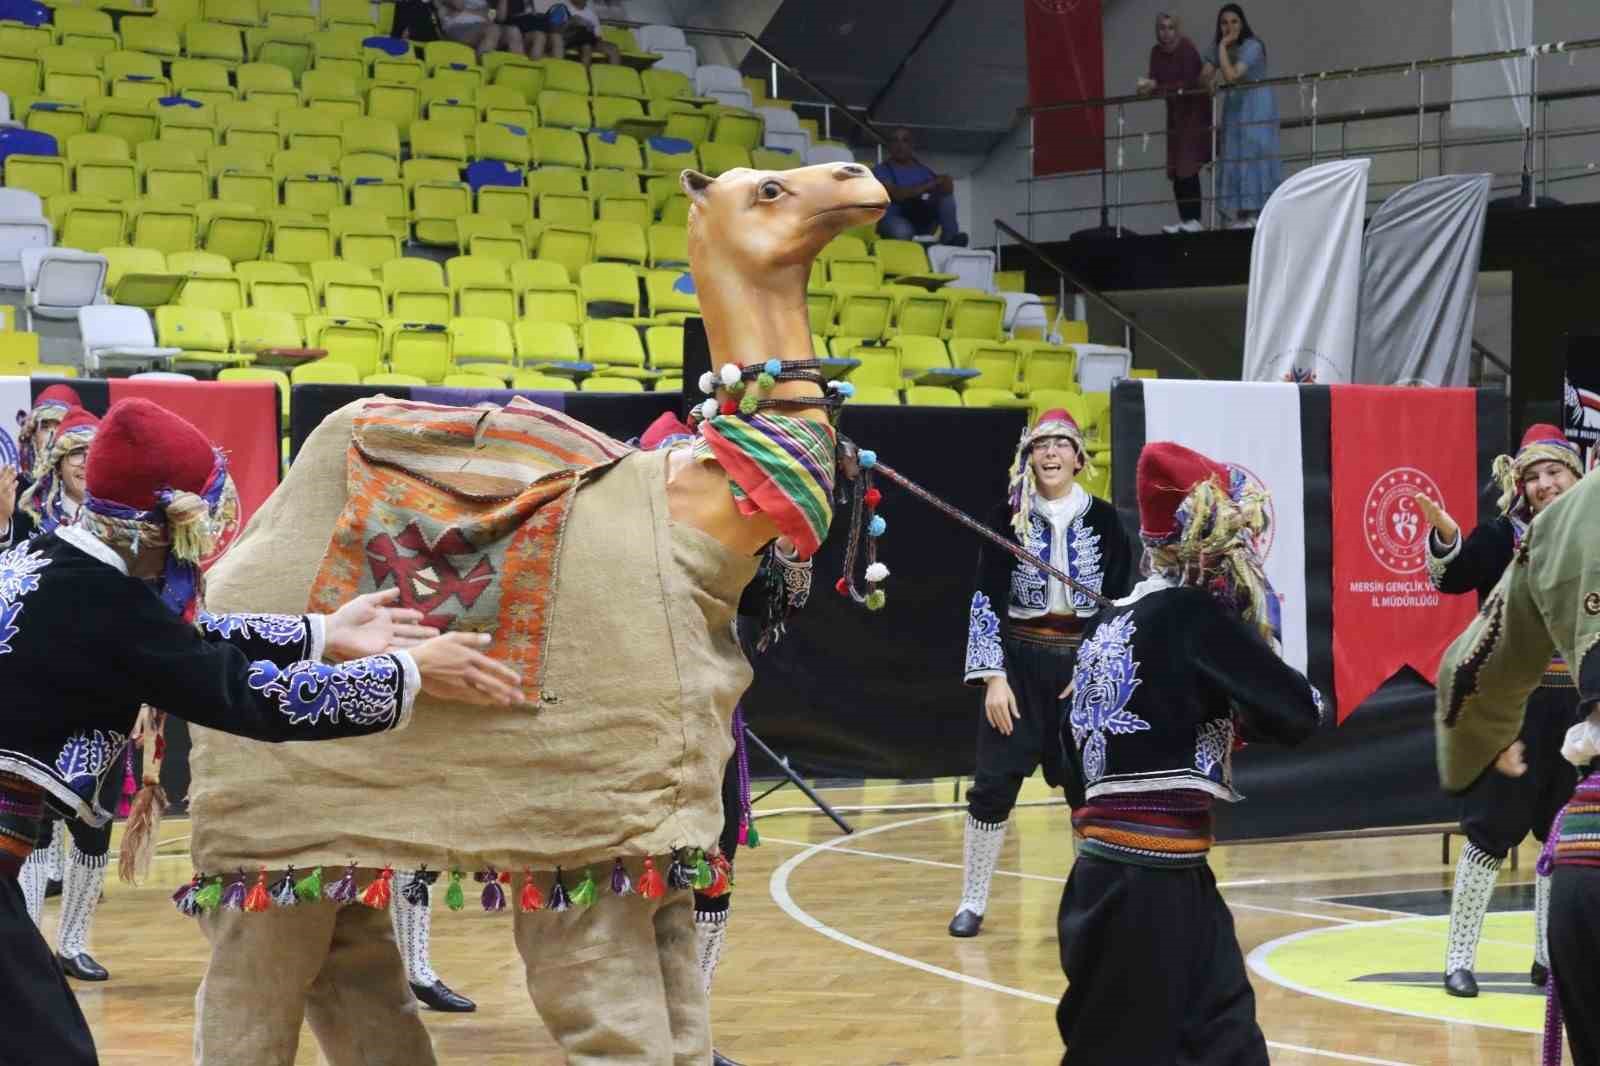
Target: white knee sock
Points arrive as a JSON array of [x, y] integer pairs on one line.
[[35, 871], [1541, 920], [1469, 903], [57, 851], [983, 842], [710, 932], [411, 924], [80, 895]]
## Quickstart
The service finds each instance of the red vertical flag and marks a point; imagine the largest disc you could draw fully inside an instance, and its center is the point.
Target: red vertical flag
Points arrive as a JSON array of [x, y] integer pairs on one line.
[[1389, 445], [1065, 63]]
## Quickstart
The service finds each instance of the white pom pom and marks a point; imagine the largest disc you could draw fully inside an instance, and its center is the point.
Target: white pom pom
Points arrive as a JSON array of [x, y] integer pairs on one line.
[[877, 572], [708, 383], [708, 410], [730, 374]]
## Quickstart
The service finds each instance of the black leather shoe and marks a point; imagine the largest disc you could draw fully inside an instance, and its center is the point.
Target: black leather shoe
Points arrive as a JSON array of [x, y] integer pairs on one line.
[[1461, 983], [439, 996], [1539, 975], [52, 888], [719, 1059], [965, 923], [83, 967]]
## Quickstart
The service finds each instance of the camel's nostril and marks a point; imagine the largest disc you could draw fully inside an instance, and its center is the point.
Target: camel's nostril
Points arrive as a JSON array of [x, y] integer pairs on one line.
[[846, 171]]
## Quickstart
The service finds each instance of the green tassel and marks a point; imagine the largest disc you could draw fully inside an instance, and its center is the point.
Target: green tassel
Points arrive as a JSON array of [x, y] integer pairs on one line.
[[584, 894], [748, 404], [309, 888], [876, 599], [703, 877], [766, 380], [454, 898], [207, 898], [752, 839]]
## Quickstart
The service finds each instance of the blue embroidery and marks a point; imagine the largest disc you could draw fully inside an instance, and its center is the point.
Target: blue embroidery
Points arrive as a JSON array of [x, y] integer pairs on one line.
[[277, 629], [19, 575], [1102, 685], [1084, 563], [1213, 747], [983, 637], [1029, 585], [85, 757], [363, 691]]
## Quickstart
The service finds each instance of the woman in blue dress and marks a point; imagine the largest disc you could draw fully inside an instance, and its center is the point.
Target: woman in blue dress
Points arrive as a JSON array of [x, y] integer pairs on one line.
[[1250, 165]]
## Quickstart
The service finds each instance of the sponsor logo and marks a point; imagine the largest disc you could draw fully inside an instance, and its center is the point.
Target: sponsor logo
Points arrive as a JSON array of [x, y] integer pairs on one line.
[[1396, 532]]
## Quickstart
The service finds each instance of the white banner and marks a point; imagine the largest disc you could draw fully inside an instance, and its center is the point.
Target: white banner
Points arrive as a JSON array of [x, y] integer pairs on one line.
[[1490, 96], [1207, 416], [1305, 277], [16, 397]]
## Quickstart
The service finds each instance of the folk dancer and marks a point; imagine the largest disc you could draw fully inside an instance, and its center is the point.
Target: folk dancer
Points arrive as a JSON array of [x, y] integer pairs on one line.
[[1025, 662], [1498, 811], [1167, 682]]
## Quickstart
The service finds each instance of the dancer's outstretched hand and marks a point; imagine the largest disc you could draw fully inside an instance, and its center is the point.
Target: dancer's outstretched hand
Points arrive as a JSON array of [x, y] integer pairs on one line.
[[454, 668], [1438, 518], [1510, 762], [1000, 704], [369, 625]]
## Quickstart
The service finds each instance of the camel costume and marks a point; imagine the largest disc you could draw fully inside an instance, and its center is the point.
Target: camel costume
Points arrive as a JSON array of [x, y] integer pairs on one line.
[[610, 578]]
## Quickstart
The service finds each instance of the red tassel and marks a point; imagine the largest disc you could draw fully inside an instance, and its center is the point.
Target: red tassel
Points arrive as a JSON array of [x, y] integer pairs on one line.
[[724, 876], [842, 586], [650, 884], [257, 900], [872, 497], [377, 894], [532, 898]]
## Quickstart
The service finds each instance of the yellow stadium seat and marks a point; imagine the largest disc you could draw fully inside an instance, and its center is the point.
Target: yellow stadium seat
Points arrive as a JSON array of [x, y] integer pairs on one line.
[[610, 383], [683, 121], [923, 313], [267, 84], [339, 50], [400, 104], [168, 226], [843, 247], [354, 341], [556, 180], [301, 240], [736, 127], [416, 290], [932, 396], [672, 294], [559, 148], [87, 221], [660, 84], [421, 349], [363, 237], [527, 79], [356, 13], [1049, 366], [615, 113], [70, 74], [259, 373], [618, 242], [716, 159], [306, 182], [633, 210], [152, 36], [996, 362], [394, 380], [334, 91], [534, 381], [566, 209], [564, 110], [215, 41], [614, 347], [461, 380], [561, 244], [483, 343], [139, 277], [188, 122], [171, 175], [20, 69], [290, 295], [481, 288], [547, 293], [372, 136], [668, 246], [315, 131], [294, 15], [102, 166], [130, 120], [502, 141], [243, 176], [672, 156], [907, 263], [231, 12], [348, 290], [256, 330], [880, 395], [327, 371], [200, 332], [450, 104], [774, 159], [504, 103], [487, 237], [609, 80], [977, 315], [60, 119], [609, 290], [432, 139], [203, 80], [233, 230], [564, 75], [512, 204], [435, 207], [85, 29], [543, 344], [615, 182], [856, 273], [862, 314], [665, 345]]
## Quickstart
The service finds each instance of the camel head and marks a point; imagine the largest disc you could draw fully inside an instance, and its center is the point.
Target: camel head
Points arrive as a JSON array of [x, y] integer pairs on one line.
[[756, 221]]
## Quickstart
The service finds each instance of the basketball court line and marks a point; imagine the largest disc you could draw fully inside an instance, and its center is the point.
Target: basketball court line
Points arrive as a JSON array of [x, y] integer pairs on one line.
[[778, 887]]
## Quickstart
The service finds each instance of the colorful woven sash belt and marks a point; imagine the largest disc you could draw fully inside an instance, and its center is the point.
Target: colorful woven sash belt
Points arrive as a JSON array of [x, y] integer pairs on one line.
[[21, 811], [1162, 829]]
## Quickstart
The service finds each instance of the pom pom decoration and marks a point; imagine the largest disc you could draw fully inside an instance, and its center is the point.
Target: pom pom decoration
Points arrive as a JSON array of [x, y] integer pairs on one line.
[[559, 900], [728, 406], [532, 898], [876, 527], [877, 572], [494, 897], [875, 600], [585, 893], [378, 893], [842, 586], [650, 883], [233, 895], [344, 889], [620, 885], [772, 367], [257, 900], [871, 498], [708, 383], [747, 404], [454, 897], [731, 374], [765, 381], [309, 888], [208, 897], [183, 899], [867, 458], [282, 890], [843, 388], [708, 410]]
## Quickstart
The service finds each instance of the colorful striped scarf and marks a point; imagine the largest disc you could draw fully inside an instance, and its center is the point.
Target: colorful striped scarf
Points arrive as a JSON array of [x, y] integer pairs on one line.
[[780, 466]]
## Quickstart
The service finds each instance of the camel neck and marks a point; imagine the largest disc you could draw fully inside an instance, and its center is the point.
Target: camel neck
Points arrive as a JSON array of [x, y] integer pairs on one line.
[[749, 320]]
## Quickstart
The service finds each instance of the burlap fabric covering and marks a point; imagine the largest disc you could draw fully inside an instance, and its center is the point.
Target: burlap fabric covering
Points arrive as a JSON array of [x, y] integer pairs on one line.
[[623, 757]]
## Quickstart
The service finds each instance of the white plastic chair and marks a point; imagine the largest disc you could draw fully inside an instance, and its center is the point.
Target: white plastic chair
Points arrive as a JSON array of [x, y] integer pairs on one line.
[[19, 233], [784, 130], [1101, 365], [125, 335], [828, 153], [59, 281], [724, 85], [1024, 310], [668, 42], [5, 112], [20, 203], [973, 268]]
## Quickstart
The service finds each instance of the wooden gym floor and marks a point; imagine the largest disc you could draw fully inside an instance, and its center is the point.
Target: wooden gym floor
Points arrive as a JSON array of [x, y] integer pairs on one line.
[[838, 955]]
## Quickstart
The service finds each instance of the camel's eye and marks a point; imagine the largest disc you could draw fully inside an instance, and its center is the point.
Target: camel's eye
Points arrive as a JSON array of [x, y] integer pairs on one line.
[[769, 191]]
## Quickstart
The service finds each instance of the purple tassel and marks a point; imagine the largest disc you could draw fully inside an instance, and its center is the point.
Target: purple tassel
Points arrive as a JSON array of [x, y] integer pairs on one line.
[[233, 895], [1552, 1024], [416, 890], [282, 890], [620, 885], [559, 900], [680, 874], [183, 899], [344, 889], [494, 897]]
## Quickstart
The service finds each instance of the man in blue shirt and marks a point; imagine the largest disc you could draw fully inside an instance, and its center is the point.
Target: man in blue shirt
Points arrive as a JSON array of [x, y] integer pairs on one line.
[[920, 200]]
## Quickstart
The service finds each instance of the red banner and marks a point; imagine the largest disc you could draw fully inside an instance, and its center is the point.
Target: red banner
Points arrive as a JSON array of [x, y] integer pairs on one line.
[[240, 417], [1066, 62], [1389, 444]]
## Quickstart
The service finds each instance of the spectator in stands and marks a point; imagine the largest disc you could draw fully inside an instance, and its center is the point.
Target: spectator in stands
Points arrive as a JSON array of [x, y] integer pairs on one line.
[[921, 200], [469, 22], [1175, 64], [1250, 165], [573, 24]]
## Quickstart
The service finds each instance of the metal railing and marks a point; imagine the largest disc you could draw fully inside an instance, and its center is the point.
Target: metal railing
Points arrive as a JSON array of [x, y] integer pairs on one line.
[[1536, 171]]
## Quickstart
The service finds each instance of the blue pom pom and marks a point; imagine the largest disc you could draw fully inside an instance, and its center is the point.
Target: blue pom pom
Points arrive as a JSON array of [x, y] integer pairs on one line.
[[773, 367], [876, 527], [847, 390], [867, 458]]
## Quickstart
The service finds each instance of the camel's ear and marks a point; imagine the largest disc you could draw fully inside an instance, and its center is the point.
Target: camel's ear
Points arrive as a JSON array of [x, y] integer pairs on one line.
[[695, 185]]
